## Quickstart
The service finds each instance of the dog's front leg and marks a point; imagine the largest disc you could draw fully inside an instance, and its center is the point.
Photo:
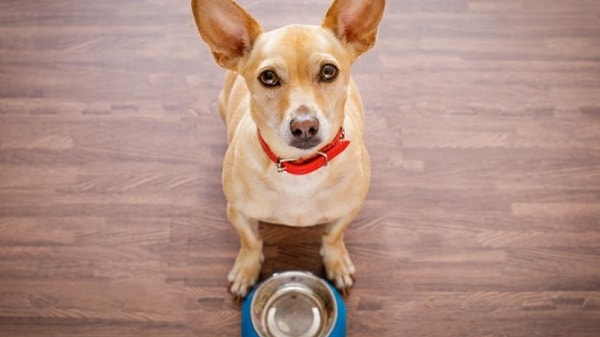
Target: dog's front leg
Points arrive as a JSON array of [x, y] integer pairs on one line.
[[247, 265], [336, 259]]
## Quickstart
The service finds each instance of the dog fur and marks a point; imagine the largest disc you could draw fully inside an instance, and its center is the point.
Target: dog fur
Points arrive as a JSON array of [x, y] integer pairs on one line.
[[278, 83]]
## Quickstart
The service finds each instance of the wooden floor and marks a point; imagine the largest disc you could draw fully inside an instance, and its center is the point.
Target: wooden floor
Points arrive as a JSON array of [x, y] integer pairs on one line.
[[483, 218]]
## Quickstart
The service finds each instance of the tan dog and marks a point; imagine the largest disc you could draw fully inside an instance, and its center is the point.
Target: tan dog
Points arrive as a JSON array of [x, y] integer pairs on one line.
[[294, 125]]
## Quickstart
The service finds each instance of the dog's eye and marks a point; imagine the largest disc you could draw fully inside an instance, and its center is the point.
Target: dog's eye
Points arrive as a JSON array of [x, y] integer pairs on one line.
[[269, 78], [328, 73]]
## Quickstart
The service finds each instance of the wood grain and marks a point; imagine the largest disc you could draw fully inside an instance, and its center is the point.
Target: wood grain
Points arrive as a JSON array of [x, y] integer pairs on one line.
[[483, 219]]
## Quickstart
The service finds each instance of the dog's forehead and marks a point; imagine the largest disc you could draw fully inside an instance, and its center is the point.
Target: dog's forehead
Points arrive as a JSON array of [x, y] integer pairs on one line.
[[298, 41]]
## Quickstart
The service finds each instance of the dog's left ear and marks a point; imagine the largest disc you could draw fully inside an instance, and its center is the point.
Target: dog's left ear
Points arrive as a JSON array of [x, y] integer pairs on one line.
[[355, 22]]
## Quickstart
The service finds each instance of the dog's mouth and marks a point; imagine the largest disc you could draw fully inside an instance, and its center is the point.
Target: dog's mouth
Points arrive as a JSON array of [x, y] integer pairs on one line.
[[305, 144]]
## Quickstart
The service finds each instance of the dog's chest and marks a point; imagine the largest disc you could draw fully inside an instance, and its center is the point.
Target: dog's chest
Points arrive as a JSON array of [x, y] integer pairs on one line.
[[300, 201]]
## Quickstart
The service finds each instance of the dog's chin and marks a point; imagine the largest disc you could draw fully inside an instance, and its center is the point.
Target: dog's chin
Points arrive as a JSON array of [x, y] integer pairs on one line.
[[305, 144]]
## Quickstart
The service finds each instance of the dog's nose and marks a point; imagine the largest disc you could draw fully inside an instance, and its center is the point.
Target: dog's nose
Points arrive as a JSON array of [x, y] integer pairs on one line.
[[304, 128]]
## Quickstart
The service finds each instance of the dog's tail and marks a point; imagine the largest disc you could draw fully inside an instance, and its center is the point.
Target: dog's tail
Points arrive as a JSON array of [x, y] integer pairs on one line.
[[230, 77], [233, 102]]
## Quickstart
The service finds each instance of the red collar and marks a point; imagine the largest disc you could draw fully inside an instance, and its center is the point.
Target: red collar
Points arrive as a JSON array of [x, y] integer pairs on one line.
[[310, 164]]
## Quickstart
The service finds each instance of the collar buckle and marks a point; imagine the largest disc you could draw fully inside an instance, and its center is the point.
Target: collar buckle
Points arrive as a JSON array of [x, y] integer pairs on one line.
[[324, 155], [280, 166]]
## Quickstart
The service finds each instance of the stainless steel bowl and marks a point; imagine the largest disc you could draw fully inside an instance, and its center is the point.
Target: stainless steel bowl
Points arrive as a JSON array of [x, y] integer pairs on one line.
[[294, 303]]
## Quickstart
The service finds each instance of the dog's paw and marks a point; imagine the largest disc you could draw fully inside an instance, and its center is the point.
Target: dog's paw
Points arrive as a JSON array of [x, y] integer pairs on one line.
[[338, 265], [244, 273]]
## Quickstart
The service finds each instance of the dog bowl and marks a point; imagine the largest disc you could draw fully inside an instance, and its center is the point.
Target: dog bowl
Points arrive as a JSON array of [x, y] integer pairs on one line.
[[294, 304]]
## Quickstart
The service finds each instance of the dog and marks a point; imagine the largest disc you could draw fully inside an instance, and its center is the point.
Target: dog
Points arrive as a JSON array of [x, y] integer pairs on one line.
[[294, 120]]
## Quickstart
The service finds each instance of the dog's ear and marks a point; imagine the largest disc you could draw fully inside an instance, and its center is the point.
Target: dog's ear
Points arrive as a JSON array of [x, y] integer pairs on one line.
[[227, 28], [355, 22]]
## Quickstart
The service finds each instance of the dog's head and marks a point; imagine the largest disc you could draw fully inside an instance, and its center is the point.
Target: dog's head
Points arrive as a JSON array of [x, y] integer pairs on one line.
[[297, 75]]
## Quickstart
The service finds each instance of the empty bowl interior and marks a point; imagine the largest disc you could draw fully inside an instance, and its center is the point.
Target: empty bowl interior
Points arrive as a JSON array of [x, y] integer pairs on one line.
[[295, 304]]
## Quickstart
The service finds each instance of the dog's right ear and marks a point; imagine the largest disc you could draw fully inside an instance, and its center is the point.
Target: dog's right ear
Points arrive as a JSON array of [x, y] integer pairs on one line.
[[227, 28]]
